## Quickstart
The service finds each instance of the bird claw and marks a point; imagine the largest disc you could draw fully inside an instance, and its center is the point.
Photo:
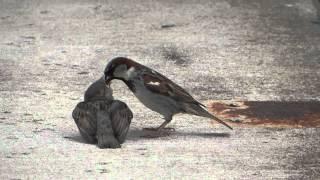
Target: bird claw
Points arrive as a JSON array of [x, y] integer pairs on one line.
[[156, 133]]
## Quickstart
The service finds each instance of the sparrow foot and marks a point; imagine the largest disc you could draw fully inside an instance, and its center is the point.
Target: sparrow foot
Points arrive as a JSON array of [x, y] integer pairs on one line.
[[157, 132]]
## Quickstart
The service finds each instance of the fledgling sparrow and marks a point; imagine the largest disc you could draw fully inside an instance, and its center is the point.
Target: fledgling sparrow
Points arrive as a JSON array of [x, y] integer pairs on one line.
[[155, 91], [102, 119]]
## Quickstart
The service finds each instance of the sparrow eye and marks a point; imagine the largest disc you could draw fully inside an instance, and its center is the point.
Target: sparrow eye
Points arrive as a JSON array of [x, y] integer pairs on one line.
[[109, 69]]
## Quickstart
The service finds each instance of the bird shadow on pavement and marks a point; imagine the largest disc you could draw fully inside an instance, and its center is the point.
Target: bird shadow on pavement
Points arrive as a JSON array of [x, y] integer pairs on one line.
[[76, 138], [204, 134], [138, 134], [317, 22]]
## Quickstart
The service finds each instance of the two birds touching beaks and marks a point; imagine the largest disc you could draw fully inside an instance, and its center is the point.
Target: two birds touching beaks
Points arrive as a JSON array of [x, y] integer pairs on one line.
[[155, 91]]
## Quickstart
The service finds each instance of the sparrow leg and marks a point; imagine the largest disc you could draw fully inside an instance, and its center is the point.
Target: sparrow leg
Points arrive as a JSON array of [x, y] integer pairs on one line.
[[160, 131], [163, 127], [157, 132], [158, 128]]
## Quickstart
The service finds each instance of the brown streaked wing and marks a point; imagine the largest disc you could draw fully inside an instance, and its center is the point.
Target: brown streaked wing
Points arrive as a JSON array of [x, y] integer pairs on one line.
[[161, 88], [167, 88], [121, 119]]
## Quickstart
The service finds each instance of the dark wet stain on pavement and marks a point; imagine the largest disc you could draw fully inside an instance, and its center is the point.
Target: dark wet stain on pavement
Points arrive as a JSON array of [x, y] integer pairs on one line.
[[269, 113]]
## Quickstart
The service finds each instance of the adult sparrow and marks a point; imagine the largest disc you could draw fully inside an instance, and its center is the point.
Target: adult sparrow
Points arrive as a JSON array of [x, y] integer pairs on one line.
[[155, 91]]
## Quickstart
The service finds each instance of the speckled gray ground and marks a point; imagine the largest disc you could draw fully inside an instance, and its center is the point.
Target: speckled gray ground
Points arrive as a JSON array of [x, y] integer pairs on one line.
[[50, 51]]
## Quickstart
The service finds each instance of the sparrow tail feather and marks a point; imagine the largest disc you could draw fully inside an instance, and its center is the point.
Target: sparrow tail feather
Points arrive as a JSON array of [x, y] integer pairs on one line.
[[200, 111]]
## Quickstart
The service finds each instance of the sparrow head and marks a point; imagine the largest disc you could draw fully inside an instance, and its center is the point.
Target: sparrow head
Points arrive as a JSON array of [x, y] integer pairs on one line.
[[120, 68]]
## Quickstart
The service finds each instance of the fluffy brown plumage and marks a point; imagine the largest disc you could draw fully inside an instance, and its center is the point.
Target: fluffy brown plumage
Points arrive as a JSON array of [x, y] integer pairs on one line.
[[100, 118]]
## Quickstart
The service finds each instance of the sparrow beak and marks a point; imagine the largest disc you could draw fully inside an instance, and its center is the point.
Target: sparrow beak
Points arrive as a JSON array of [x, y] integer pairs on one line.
[[107, 80]]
